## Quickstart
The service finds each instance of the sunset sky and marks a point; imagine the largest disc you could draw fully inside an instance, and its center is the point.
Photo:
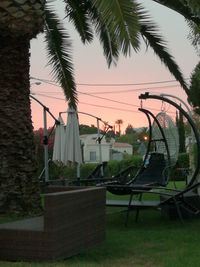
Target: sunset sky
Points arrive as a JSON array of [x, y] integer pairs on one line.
[[143, 71]]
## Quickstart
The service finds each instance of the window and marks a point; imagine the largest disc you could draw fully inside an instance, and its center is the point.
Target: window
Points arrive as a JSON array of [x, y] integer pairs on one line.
[[93, 156]]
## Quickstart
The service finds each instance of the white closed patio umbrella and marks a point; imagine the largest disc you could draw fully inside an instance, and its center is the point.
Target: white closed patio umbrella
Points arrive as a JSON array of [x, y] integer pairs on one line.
[[72, 148], [59, 142]]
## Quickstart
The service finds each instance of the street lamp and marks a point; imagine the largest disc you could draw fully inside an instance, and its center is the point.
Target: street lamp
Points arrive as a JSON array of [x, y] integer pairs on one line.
[[35, 83]]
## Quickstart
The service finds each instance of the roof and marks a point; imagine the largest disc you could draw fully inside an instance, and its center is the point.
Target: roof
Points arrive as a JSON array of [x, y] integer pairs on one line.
[[121, 145]]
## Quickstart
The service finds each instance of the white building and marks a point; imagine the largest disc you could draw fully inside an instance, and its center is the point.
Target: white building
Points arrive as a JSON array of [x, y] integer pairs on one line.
[[92, 151], [123, 148]]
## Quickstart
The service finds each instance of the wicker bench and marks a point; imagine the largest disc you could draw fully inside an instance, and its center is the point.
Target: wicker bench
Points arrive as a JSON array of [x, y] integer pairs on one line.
[[73, 220]]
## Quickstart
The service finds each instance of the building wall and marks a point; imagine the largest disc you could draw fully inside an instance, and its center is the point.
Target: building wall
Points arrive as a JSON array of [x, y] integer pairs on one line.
[[91, 151], [126, 149], [92, 154]]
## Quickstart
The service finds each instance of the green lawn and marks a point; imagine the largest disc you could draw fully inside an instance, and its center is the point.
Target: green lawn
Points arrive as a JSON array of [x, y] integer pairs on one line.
[[155, 241], [152, 242], [178, 185]]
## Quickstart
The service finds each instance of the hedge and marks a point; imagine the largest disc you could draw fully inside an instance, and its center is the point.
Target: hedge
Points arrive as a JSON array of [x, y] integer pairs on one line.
[[113, 167]]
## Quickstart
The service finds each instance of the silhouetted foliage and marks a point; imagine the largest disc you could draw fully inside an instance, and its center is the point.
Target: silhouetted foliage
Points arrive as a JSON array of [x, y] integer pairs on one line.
[[194, 93], [86, 129], [181, 132]]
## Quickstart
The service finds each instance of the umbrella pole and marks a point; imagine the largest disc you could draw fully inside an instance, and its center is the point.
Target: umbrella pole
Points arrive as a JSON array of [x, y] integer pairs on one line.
[[45, 142], [99, 142], [78, 173]]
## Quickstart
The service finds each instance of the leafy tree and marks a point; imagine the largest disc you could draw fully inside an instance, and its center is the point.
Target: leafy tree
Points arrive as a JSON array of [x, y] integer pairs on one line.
[[132, 136], [86, 129], [142, 133], [196, 119], [118, 25], [110, 134], [127, 138], [190, 9], [129, 129], [39, 146], [181, 132], [194, 94]]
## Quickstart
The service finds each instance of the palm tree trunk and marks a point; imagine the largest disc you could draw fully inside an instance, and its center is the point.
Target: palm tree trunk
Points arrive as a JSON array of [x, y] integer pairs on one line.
[[19, 190]]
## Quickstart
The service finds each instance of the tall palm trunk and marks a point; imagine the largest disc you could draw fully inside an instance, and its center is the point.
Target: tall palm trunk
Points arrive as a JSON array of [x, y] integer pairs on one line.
[[19, 190]]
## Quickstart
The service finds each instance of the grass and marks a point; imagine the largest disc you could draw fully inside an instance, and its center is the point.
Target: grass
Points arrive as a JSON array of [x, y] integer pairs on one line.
[[155, 241], [9, 218], [152, 242], [147, 196]]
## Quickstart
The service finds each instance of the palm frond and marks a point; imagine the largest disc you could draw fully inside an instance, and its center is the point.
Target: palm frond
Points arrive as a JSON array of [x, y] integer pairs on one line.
[[182, 7], [77, 13], [108, 41], [110, 46], [194, 35], [149, 32], [121, 21], [193, 5], [59, 54], [190, 9]]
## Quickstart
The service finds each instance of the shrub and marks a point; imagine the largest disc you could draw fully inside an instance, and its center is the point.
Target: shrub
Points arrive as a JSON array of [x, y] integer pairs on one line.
[[61, 172], [179, 173], [86, 169], [183, 160], [113, 167]]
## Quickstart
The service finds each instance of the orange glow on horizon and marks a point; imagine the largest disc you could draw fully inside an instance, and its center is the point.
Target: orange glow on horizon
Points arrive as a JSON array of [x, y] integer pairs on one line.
[[90, 67], [107, 110]]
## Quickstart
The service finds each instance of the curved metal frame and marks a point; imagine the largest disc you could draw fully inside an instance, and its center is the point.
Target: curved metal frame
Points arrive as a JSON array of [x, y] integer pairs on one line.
[[150, 134], [148, 114], [45, 137], [98, 133], [192, 124]]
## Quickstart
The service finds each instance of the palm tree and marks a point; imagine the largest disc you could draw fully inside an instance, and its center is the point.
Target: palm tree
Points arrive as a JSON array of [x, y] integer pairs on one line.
[[119, 122], [119, 26], [19, 191], [190, 9]]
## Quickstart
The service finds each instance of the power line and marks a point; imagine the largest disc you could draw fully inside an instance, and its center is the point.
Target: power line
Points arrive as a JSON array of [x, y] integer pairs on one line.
[[121, 91], [102, 98], [108, 99], [124, 84], [133, 90], [100, 106], [115, 101], [58, 98], [53, 97], [109, 84]]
